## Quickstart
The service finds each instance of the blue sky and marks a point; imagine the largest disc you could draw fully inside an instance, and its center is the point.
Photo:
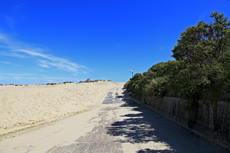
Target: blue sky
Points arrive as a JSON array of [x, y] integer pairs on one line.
[[72, 40]]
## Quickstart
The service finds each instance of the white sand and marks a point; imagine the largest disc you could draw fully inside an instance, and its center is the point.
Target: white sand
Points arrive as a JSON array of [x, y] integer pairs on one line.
[[23, 107]]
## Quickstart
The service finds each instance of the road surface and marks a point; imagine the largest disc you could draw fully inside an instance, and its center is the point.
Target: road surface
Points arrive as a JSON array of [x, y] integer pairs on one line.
[[118, 125]]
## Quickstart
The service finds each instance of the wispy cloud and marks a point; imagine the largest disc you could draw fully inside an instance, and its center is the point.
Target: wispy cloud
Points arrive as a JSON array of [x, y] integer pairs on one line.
[[17, 8], [33, 78], [59, 79], [10, 21], [18, 74], [13, 54], [4, 62], [22, 50], [15, 76], [44, 63], [13, 14], [9, 63]]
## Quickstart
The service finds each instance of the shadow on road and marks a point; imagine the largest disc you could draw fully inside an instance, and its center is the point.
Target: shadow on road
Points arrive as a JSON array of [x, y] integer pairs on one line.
[[141, 125]]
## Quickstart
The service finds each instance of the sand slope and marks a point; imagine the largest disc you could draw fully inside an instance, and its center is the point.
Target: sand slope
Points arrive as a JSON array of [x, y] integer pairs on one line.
[[26, 106]]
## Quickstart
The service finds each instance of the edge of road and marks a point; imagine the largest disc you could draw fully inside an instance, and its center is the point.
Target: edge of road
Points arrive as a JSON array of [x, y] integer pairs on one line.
[[43, 124]]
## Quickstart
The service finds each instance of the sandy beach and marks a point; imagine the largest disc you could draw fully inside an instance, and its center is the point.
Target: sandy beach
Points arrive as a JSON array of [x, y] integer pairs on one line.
[[22, 107]]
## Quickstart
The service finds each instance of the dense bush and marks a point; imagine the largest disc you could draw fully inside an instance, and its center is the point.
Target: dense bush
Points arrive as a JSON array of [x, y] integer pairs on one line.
[[68, 82], [51, 84], [88, 81], [18, 85], [201, 70]]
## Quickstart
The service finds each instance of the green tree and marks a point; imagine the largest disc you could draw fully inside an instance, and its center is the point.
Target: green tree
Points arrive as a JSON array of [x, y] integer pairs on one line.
[[201, 70], [199, 48], [204, 43]]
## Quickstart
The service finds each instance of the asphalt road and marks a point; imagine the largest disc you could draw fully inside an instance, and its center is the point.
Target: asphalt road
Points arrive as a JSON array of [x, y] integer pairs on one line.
[[118, 125]]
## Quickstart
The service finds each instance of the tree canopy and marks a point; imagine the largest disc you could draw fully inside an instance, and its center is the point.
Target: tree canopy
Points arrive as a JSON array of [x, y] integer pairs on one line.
[[201, 70]]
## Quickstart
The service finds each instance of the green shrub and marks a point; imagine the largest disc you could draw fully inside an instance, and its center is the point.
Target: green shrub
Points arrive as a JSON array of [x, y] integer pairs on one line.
[[18, 85], [201, 70], [68, 82], [51, 84]]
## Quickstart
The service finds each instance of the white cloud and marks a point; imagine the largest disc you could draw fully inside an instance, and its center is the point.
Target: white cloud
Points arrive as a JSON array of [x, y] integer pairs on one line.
[[17, 74], [59, 79], [43, 63], [10, 22], [32, 53], [17, 8], [13, 14], [21, 50], [32, 78], [25, 78], [13, 54], [17, 78], [9, 63], [4, 62]]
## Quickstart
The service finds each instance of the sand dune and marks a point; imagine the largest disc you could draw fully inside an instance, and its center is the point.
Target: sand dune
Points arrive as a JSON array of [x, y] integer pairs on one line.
[[26, 106]]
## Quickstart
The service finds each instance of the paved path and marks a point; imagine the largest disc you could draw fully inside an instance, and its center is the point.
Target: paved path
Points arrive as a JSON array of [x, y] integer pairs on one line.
[[119, 125]]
